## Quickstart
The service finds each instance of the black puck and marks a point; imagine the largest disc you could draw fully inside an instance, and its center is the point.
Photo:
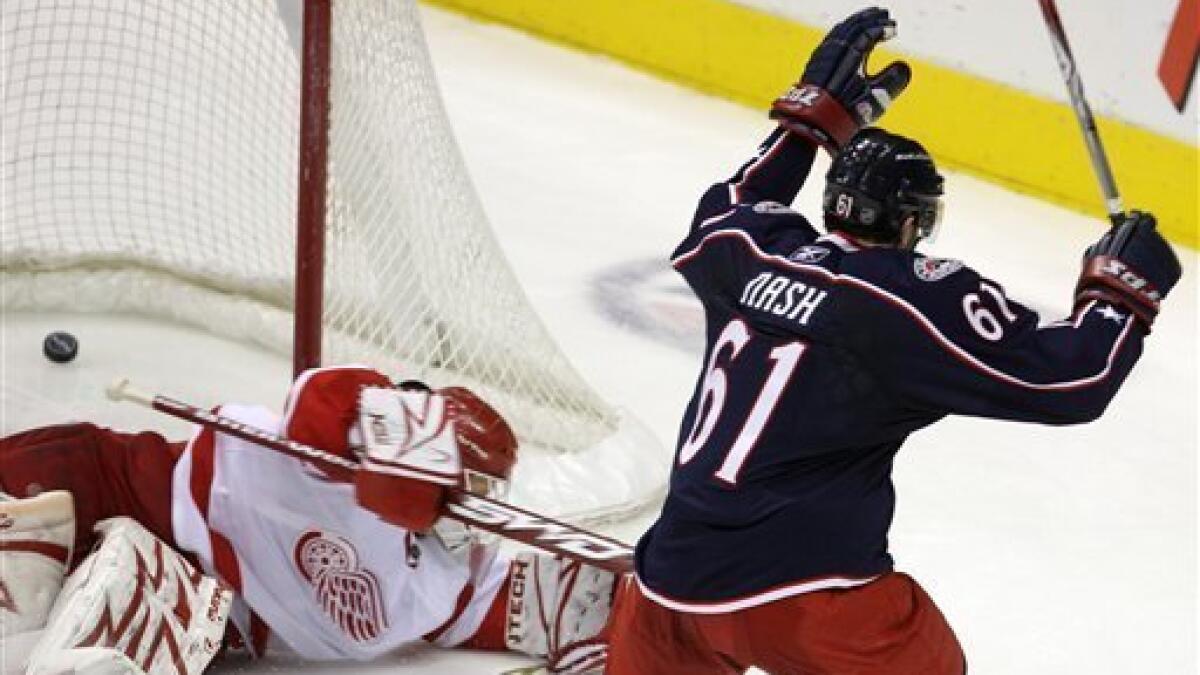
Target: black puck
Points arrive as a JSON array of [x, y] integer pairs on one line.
[[60, 346]]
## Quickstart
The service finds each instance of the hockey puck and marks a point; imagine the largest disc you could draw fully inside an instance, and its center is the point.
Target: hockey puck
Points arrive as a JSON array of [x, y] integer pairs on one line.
[[60, 346]]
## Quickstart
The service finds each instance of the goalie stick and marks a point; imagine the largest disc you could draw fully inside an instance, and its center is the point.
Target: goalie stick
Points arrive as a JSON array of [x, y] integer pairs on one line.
[[506, 520], [1083, 112]]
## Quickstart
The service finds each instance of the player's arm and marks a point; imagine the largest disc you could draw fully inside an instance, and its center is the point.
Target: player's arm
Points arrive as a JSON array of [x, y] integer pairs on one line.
[[834, 98], [989, 358], [775, 174], [961, 345]]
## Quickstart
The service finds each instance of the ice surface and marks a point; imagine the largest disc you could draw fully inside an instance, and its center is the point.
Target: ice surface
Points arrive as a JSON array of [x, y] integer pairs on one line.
[[1051, 550]]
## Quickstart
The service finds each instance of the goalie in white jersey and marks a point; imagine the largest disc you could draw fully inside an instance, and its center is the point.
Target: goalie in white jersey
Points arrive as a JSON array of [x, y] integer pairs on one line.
[[320, 563]]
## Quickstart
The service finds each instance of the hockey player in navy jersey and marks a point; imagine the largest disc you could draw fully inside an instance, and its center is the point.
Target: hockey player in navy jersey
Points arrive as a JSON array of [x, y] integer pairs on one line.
[[824, 352]]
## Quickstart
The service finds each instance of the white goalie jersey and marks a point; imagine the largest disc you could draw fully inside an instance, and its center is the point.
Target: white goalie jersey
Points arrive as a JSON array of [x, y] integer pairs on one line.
[[316, 574]]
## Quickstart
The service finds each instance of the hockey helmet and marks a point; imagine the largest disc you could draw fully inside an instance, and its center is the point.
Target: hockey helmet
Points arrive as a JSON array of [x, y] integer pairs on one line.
[[879, 180], [487, 443]]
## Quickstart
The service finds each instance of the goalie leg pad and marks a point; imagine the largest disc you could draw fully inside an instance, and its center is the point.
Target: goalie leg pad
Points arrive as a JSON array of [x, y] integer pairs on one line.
[[36, 536], [558, 610], [133, 606]]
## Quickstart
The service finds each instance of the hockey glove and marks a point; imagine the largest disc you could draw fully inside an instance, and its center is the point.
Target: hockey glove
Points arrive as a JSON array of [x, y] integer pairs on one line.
[[836, 97], [411, 459], [1131, 266]]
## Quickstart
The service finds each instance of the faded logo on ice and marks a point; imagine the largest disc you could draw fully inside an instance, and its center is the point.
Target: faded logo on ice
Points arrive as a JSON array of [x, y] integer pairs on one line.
[[649, 298], [349, 595]]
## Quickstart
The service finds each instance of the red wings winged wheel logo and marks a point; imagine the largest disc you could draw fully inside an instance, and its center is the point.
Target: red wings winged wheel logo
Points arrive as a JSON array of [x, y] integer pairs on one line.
[[349, 595]]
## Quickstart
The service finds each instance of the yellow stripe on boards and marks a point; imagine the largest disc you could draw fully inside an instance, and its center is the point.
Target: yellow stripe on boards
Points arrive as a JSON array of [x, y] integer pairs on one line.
[[969, 123]]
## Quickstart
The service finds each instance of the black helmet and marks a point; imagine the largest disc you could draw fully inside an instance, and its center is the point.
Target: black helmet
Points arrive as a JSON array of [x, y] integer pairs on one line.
[[877, 181]]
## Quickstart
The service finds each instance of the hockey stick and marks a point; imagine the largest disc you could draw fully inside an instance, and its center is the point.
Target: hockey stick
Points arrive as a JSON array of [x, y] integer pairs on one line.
[[494, 516], [1083, 112]]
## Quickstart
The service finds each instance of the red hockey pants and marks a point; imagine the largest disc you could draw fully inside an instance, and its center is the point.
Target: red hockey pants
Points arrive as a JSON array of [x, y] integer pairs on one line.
[[887, 627], [109, 473]]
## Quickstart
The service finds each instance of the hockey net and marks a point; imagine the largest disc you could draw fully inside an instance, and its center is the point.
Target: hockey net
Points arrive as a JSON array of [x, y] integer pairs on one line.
[[150, 166]]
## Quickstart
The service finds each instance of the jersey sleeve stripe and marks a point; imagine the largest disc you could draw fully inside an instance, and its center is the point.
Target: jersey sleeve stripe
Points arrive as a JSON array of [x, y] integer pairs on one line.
[[735, 187], [193, 531], [1076, 319], [921, 320], [713, 220]]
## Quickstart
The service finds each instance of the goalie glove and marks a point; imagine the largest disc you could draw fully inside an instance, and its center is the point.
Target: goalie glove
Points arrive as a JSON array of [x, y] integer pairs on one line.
[[835, 96], [411, 456]]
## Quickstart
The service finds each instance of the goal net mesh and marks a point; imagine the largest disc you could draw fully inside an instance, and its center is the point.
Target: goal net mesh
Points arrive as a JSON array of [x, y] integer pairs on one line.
[[150, 152]]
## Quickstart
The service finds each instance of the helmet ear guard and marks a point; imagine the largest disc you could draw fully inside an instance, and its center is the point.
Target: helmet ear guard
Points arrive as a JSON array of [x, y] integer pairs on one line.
[[928, 211]]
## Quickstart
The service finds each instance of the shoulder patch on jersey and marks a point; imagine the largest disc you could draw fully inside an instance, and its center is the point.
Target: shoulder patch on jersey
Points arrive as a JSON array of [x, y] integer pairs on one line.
[[935, 269], [809, 254], [773, 209]]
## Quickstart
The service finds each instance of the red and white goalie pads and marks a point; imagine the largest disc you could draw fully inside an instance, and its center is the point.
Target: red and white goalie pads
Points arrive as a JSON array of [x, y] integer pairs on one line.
[[411, 458], [558, 609], [133, 607]]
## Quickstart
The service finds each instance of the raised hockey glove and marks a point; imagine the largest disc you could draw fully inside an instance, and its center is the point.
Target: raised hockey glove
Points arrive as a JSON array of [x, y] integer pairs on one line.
[[836, 97], [1131, 266]]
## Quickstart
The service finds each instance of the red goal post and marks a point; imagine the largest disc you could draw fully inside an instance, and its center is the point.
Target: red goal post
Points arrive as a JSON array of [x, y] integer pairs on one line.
[[310, 202], [155, 161]]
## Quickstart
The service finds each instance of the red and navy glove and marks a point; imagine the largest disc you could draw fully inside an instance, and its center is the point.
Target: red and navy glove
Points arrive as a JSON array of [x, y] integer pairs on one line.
[[1131, 266], [836, 97]]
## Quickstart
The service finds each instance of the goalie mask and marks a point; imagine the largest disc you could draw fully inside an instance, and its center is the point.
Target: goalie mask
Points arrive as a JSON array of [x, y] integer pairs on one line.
[[879, 181], [486, 442]]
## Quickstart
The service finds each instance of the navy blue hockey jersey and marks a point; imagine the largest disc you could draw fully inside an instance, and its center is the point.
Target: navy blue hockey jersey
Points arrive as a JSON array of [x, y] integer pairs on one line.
[[822, 357]]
